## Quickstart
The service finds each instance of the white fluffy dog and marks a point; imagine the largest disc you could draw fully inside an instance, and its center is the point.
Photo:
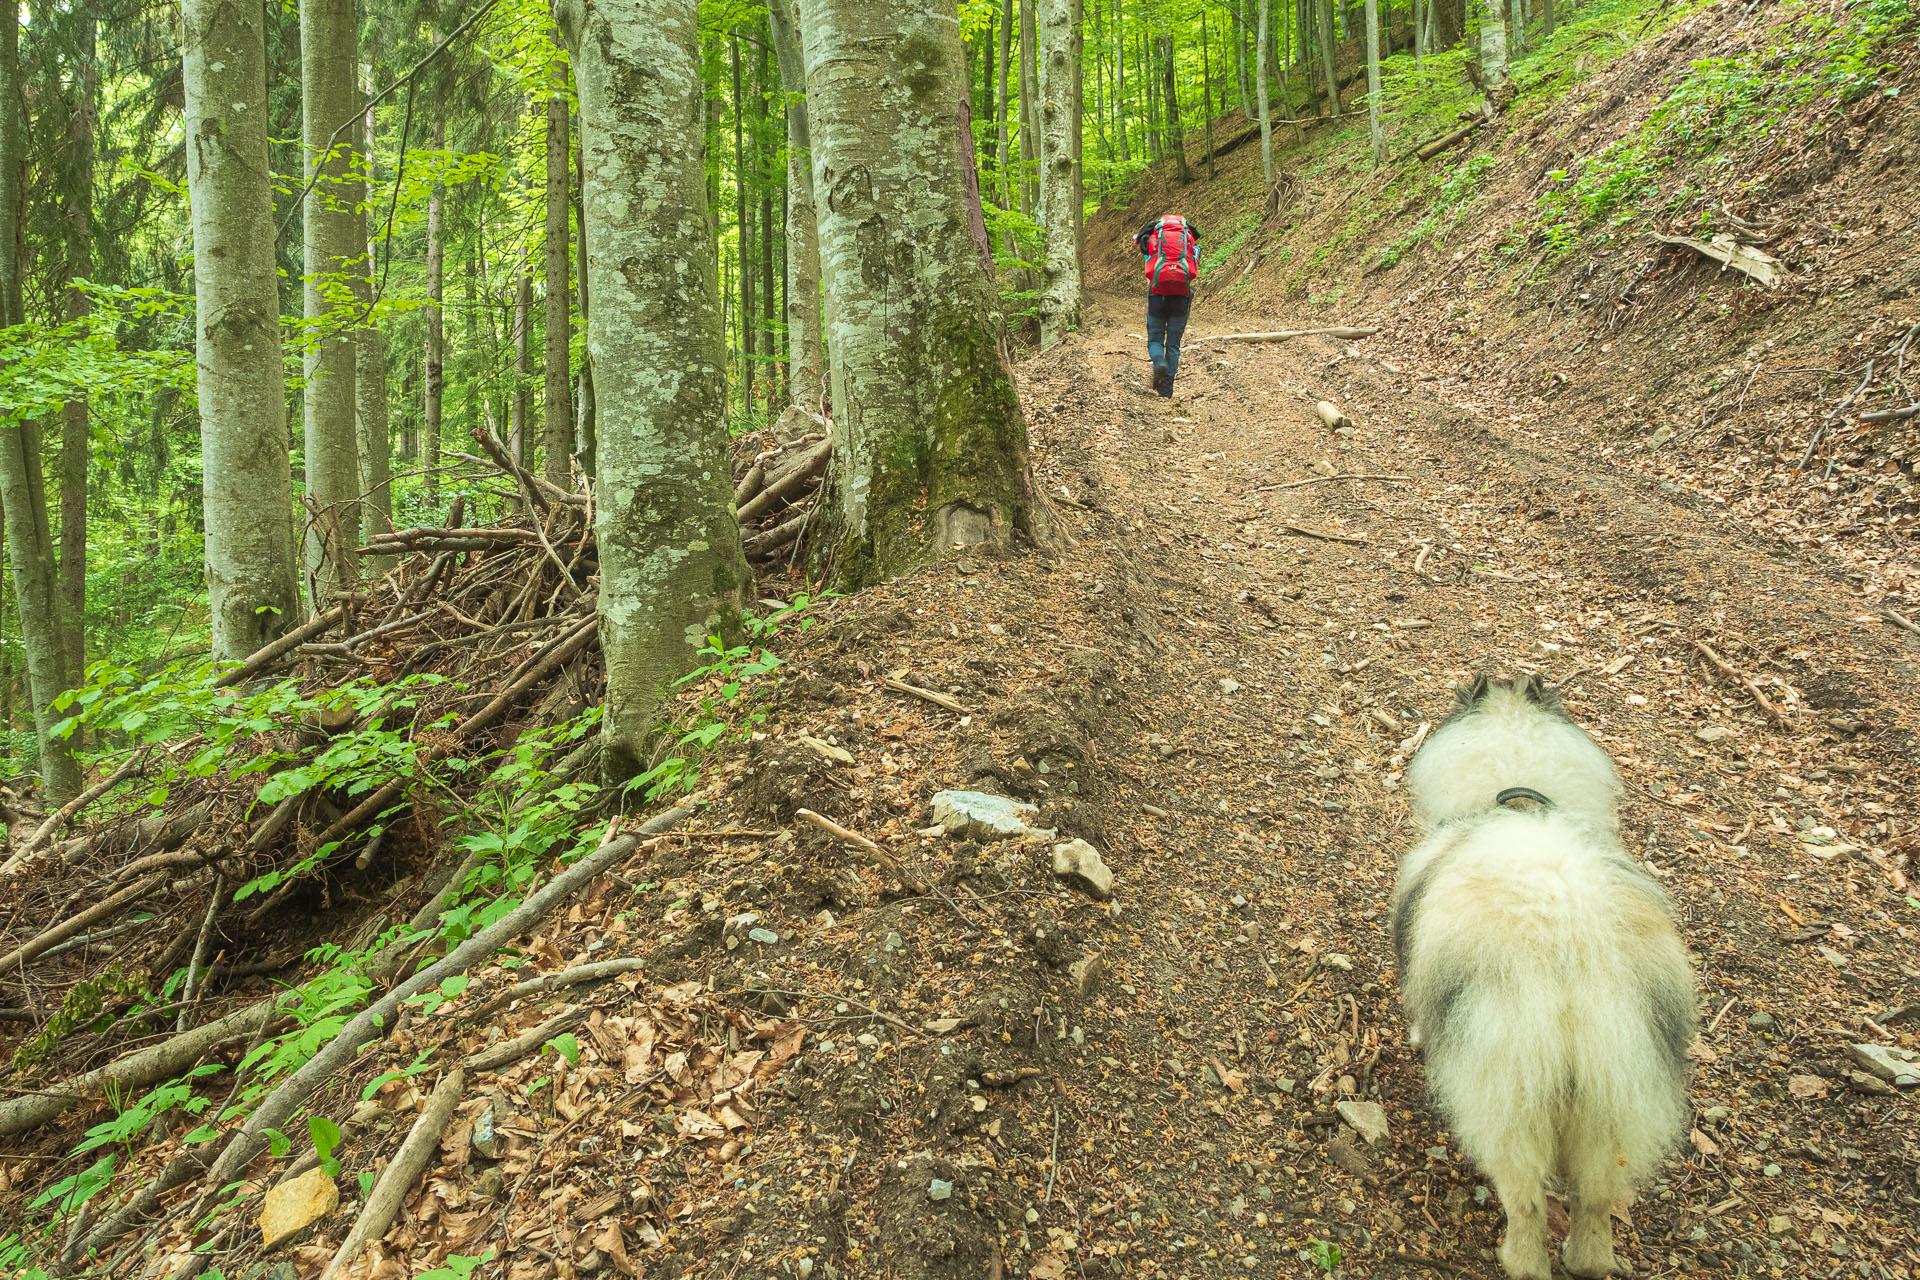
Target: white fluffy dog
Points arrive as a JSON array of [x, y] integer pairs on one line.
[[1541, 970]]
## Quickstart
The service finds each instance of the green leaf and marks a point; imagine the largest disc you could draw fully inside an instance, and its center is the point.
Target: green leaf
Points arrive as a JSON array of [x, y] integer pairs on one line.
[[325, 1134], [567, 1047]]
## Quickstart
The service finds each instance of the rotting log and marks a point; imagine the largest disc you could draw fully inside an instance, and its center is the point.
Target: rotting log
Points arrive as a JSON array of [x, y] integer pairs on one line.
[[1446, 141], [772, 540], [789, 482]]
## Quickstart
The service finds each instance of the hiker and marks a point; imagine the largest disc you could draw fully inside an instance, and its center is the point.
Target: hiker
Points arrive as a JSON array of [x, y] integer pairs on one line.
[[1171, 247]]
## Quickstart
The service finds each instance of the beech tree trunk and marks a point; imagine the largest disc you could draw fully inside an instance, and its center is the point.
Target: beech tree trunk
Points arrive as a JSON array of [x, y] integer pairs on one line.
[[931, 444], [518, 405], [247, 480], [1008, 18], [1373, 84], [1059, 174], [1517, 33], [1175, 135], [555, 408], [76, 430], [806, 361], [334, 241], [1029, 109], [1260, 91], [671, 569], [436, 373], [1325, 24], [1495, 81], [370, 376]]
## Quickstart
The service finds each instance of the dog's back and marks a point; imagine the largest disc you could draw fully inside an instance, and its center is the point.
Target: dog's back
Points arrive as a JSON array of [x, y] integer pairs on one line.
[[1541, 969]]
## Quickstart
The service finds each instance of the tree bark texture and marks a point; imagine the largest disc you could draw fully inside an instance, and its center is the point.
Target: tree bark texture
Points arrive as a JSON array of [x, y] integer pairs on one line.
[[932, 447], [370, 382], [1325, 25], [806, 360], [76, 429], [1379, 138], [334, 241], [1059, 175], [556, 411], [1495, 81], [1260, 90], [1008, 18], [671, 569], [1175, 135], [247, 478], [436, 373], [1029, 109]]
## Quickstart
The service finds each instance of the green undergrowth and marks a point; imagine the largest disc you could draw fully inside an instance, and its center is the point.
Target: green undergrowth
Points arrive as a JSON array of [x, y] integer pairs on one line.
[[1670, 161], [508, 815]]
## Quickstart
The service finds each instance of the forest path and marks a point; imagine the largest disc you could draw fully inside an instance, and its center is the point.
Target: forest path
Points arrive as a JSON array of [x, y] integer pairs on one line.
[[1303, 632]]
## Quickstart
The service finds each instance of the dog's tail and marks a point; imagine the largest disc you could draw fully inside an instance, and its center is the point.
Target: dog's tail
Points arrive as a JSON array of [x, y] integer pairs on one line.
[[1556, 1004]]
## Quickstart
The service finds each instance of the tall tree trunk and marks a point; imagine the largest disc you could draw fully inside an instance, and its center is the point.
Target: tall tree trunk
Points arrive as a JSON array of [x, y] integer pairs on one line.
[[556, 413], [1517, 34], [370, 374], [76, 433], [1495, 81], [1379, 138], [671, 571], [1206, 83], [247, 479], [1004, 196], [743, 224], [1059, 175], [585, 405], [1327, 62], [1239, 42], [1029, 110], [518, 406], [1176, 135], [931, 444], [1260, 92], [23, 501], [763, 178], [1546, 19], [1421, 8], [1120, 79], [806, 362], [434, 404], [334, 238]]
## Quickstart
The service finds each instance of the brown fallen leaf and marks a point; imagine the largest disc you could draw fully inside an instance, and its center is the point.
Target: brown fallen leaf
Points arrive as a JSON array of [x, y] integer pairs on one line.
[[1807, 1086], [1703, 1144]]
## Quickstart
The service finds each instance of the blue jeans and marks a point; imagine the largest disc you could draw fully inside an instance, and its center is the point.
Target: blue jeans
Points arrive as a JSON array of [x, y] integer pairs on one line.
[[1166, 322]]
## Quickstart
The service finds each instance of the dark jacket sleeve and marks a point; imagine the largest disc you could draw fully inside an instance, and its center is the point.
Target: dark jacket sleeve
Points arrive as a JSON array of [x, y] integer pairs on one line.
[[1140, 236]]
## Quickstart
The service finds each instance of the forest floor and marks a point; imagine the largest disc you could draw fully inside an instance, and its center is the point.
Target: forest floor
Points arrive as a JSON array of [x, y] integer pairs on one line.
[[1214, 676]]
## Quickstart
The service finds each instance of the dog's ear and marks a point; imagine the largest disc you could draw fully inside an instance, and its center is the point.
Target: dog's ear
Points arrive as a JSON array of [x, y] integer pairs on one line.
[[1469, 695], [1541, 694]]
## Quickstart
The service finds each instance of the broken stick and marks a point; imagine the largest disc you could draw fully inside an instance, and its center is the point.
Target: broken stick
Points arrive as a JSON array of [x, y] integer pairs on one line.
[[1305, 532], [1331, 414], [937, 699], [383, 1203], [1282, 335], [880, 856], [1721, 665]]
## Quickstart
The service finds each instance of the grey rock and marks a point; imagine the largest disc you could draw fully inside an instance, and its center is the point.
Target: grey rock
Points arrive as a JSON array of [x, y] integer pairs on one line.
[[1897, 1066], [1712, 733], [1369, 1119], [981, 816], [939, 1189], [763, 936], [1086, 973], [1078, 860], [1760, 1021], [796, 422], [489, 1139]]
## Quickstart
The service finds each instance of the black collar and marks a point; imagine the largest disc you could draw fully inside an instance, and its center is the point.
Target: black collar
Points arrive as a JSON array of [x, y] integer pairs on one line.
[[1522, 793]]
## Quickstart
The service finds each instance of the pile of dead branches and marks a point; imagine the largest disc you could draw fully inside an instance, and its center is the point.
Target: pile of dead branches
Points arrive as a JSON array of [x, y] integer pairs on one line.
[[113, 893]]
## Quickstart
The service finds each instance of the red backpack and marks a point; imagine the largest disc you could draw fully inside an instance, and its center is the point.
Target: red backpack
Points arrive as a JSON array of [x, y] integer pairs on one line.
[[1172, 256]]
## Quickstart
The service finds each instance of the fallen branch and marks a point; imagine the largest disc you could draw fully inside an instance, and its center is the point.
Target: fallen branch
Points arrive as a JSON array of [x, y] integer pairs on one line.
[[791, 481], [1331, 414], [1720, 665], [937, 699], [398, 1178], [750, 483], [1891, 415], [1446, 141], [264, 656], [579, 974], [136, 1071], [881, 856], [1901, 620], [1301, 484], [75, 805], [1728, 252], [1305, 532], [503, 1055], [1282, 335], [780, 535], [377, 1020], [74, 924]]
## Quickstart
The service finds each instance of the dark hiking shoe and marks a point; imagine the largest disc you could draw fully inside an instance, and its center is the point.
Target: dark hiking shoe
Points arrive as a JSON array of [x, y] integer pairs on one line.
[[1160, 379]]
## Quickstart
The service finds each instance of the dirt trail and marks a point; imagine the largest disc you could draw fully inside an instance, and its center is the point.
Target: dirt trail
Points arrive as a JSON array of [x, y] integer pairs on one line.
[[1299, 636]]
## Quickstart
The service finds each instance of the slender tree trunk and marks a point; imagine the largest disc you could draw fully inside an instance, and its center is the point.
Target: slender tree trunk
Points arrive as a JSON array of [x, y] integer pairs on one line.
[[743, 226], [806, 362], [1004, 180], [521, 402], [1120, 120], [436, 373], [1176, 135], [1378, 137], [763, 178], [671, 571], [931, 444], [76, 433], [1206, 82], [246, 476], [556, 413], [1517, 35], [334, 239], [370, 374], [1327, 63], [585, 404], [1029, 110], [1495, 81], [1546, 19], [1260, 92], [1059, 175], [1420, 10], [23, 501]]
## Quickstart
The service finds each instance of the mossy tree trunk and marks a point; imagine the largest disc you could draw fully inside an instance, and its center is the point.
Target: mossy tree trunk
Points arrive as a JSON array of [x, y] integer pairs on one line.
[[806, 358], [1059, 173], [246, 477], [335, 241], [931, 445], [671, 570]]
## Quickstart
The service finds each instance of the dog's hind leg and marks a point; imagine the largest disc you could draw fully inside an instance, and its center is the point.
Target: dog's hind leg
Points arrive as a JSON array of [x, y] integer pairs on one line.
[[1522, 1190], [1594, 1182]]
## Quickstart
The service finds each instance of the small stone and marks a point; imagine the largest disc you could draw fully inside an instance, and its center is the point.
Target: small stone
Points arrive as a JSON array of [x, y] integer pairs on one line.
[[1872, 1086], [797, 421], [1086, 973], [1832, 957], [1229, 685], [1715, 1115], [1712, 733], [939, 1190], [1660, 437], [1771, 1171], [981, 816], [1033, 1216], [1080, 861], [763, 936], [1347, 1156], [1889, 1063], [1760, 1021], [867, 1041], [804, 1267], [490, 1183], [893, 942], [293, 1206], [487, 1139], [1369, 1119], [941, 1026], [1780, 1226]]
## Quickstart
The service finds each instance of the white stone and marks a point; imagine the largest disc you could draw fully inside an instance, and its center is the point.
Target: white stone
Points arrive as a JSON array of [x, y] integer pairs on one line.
[[985, 817], [1081, 861]]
